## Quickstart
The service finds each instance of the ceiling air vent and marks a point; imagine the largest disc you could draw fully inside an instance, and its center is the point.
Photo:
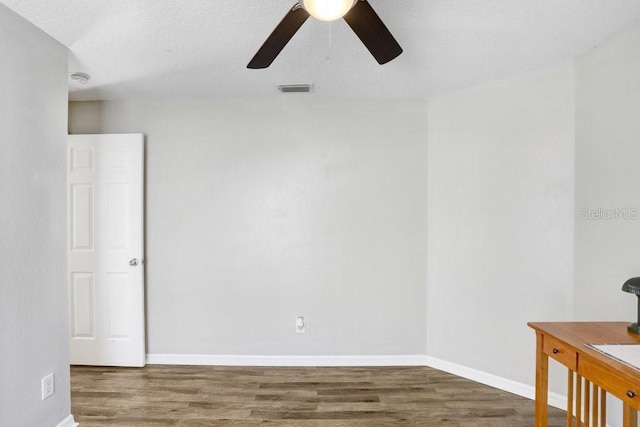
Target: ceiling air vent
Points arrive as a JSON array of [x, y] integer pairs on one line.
[[301, 88], [80, 78]]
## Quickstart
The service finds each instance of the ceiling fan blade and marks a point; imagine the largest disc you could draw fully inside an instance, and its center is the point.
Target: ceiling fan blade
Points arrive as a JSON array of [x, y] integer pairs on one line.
[[368, 26], [279, 38]]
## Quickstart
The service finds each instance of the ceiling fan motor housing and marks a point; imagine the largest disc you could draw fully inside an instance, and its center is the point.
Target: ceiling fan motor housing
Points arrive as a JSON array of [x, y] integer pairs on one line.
[[327, 10]]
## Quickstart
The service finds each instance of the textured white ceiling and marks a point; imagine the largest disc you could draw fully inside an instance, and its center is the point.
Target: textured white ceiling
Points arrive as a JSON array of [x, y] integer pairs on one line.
[[154, 49]]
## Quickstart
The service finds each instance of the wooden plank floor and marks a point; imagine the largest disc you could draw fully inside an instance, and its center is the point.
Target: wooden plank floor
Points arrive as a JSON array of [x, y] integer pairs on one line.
[[246, 396]]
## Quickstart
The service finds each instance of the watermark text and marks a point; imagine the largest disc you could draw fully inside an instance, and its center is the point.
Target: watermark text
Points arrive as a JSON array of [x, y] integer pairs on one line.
[[628, 214]]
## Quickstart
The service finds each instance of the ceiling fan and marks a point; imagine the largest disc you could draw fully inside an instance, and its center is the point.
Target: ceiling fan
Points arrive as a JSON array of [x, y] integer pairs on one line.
[[359, 14]]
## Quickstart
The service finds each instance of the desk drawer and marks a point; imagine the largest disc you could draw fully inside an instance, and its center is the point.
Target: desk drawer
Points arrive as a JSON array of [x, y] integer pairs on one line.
[[625, 389], [561, 352]]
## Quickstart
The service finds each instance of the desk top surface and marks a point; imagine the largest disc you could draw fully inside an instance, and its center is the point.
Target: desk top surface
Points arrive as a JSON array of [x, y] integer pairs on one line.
[[577, 334]]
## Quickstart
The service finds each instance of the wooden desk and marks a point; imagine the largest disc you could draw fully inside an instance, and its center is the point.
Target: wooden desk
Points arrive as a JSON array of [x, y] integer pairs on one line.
[[590, 374]]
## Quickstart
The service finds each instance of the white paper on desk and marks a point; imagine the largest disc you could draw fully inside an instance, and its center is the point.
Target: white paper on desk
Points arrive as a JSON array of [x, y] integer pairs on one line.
[[625, 353]]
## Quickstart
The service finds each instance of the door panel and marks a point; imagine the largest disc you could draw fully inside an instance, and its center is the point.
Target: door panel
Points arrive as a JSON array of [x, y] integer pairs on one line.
[[81, 217], [106, 293], [118, 220], [119, 306], [82, 305]]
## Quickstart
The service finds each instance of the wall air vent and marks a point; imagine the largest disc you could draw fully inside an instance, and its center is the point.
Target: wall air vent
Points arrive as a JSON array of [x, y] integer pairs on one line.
[[301, 88]]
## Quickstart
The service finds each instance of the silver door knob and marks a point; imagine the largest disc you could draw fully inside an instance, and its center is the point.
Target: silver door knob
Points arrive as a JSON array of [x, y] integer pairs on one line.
[[133, 262]]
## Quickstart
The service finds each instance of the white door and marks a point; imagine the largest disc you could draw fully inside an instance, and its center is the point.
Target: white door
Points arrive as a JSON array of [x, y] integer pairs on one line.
[[105, 250]]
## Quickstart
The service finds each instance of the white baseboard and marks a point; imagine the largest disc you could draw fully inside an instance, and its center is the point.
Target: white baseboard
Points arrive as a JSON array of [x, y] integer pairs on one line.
[[67, 422], [237, 360], [556, 400]]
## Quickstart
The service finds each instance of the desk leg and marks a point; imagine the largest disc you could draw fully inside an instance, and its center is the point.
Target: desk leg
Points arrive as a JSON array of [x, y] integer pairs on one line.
[[629, 416], [603, 407], [542, 382], [570, 389]]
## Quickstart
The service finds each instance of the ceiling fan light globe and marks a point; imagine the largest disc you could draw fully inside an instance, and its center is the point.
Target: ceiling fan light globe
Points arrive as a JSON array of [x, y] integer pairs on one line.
[[328, 10]]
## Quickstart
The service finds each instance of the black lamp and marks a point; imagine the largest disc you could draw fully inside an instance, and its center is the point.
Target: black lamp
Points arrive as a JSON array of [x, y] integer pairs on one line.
[[633, 287]]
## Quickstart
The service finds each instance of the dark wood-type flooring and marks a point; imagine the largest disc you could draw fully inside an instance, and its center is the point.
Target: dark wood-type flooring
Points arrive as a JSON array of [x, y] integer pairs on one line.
[[246, 396]]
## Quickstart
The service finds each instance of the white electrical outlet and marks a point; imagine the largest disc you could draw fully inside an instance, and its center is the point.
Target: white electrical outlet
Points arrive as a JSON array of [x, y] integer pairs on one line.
[[48, 386], [300, 325]]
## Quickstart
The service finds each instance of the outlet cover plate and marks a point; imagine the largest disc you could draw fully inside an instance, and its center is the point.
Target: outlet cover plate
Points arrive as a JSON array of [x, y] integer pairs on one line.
[[48, 386]]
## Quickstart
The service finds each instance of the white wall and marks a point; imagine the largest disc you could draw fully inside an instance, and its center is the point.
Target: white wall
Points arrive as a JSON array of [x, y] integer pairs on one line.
[[33, 315], [514, 232], [500, 164], [608, 177], [262, 210], [607, 244]]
